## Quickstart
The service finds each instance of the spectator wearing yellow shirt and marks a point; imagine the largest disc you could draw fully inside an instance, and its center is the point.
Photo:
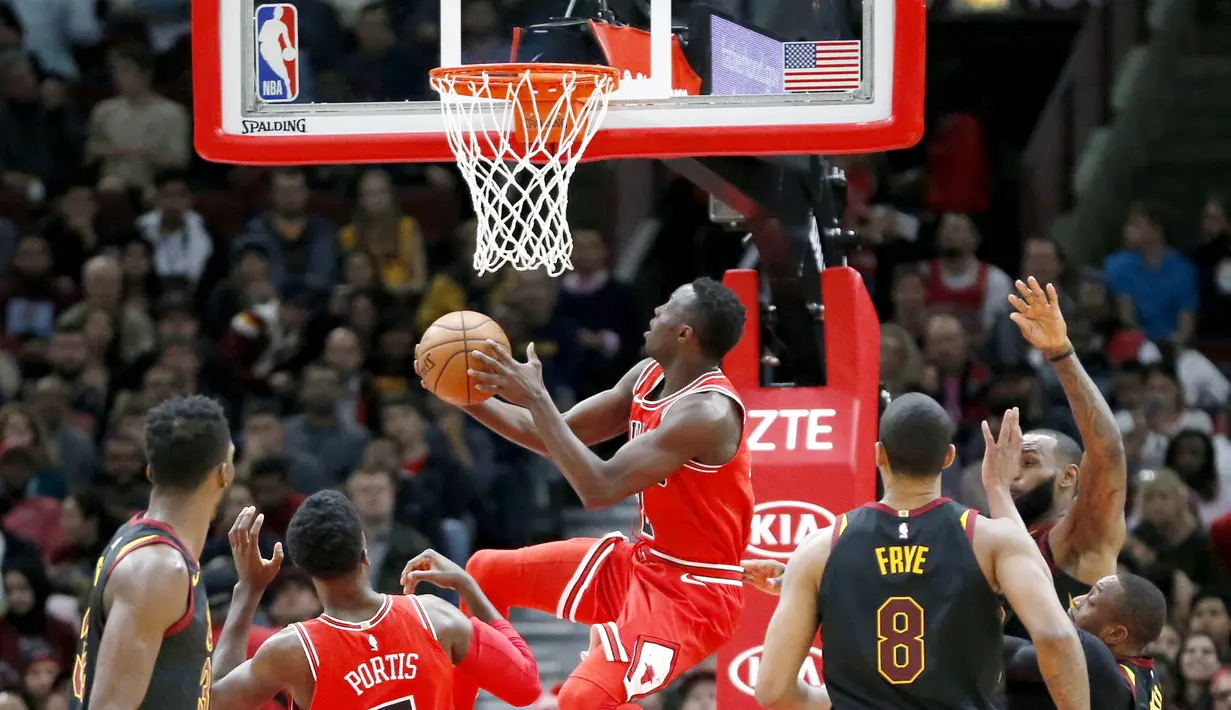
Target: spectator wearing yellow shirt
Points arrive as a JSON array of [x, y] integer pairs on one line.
[[457, 286], [392, 238]]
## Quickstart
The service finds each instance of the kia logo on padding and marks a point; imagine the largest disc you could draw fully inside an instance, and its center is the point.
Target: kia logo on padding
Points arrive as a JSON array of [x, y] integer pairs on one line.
[[779, 526], [744, 669]]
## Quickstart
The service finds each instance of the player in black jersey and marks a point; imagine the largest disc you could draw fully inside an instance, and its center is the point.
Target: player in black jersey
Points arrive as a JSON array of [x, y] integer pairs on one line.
[[1079, 528], [1120, 616], [906, 590], [145, 636]]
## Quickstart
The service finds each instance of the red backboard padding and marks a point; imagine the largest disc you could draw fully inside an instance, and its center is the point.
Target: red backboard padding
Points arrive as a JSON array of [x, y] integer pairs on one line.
[[813, 452]]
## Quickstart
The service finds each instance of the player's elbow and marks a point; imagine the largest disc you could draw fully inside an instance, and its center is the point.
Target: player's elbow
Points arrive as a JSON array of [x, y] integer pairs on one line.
[[1055, 637], [526, 695], [772, 691], [596, 500]]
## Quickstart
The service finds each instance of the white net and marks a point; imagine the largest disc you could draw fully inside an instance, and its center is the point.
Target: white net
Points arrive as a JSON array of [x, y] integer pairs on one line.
[[518, 134]]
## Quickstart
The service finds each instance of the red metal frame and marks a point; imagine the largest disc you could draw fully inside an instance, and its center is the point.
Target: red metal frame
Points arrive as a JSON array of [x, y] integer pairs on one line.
[[785, 479], [902, 129]]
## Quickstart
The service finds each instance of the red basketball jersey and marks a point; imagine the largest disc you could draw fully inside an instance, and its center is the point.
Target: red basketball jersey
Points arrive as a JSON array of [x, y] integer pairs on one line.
[[391, 661], [701, 513]]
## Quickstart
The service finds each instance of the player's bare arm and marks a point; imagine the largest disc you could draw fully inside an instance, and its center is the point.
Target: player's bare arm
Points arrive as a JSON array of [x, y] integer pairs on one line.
[[146, 594], [1095, 523], [254, 574], [594, 420], [1000, 455], [279, 664], [704, 427], [1019, 572], [487, 651], [432, 567], [792, 629]]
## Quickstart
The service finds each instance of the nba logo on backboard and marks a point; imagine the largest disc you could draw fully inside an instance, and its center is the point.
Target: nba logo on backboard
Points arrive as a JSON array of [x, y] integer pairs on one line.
[[277, 53]]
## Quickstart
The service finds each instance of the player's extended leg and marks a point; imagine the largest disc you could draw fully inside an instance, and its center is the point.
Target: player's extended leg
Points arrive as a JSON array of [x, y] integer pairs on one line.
[[555, 577], [665, 628], [561, 578]]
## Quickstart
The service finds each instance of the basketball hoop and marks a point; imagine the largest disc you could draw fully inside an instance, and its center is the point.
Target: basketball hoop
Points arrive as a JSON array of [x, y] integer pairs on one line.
[[518, 131]]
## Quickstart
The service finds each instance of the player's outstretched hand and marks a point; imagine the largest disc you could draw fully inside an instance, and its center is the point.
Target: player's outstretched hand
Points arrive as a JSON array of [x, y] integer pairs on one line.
[[517, 382], [253, 570], [431, 566], [765, 575], [1002, 454], [1038, 316]]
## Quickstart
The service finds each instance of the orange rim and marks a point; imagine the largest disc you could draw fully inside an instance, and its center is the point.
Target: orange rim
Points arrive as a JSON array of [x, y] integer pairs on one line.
[[468, 77]]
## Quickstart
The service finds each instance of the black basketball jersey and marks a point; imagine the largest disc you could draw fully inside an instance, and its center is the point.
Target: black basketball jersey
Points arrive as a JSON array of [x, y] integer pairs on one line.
[[1147, 692], [1067, 588], [908, 619], [182, 672], [1112, 688]]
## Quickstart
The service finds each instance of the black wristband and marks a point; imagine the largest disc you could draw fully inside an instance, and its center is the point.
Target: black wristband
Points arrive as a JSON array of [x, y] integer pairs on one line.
[[1061, 356]]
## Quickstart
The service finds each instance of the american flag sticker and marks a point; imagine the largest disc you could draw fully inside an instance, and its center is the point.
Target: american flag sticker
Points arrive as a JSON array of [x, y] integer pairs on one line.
[[821, 66]]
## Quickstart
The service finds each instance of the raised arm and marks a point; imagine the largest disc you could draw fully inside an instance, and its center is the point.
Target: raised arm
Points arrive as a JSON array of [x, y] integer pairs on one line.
[[492, 657], [695, 427], [279, 664], [788, 640], [1023, 578], [254, 574], [593, 420], [1095, 522], [488, 652], [146, 594], [1000, 459]]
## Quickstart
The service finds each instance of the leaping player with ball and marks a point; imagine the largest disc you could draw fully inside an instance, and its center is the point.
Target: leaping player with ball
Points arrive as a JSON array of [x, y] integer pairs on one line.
[[663, 602]]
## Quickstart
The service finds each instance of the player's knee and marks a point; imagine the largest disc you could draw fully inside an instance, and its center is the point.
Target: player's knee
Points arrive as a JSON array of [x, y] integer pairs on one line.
[[582, 694]]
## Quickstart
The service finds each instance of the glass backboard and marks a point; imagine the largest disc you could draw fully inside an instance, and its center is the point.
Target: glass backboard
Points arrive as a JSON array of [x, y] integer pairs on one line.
[[297, 83]]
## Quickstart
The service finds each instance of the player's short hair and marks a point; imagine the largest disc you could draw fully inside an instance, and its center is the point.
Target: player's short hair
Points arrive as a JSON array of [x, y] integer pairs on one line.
[[916, 432], [1068, 451], [325, 537], [185, 439], [1141, 607], [717, 317]]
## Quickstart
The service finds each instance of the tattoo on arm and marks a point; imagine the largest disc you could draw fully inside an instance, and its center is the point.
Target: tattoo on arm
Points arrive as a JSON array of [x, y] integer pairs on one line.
[[1104, 474]]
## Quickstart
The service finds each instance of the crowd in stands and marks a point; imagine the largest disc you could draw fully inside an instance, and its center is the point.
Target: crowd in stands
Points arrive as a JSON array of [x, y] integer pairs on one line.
[[131, 271]]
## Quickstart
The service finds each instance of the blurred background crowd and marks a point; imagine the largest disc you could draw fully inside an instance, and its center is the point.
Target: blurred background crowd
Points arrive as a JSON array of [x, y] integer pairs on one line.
[[131, 271]]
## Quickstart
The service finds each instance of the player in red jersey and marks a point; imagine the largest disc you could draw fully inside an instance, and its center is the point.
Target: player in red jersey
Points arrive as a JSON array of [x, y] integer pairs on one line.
[[368, 650], [661, 604]]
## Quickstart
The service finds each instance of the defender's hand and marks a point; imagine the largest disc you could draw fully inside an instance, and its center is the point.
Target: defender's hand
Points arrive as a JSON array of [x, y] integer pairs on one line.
[[1002, 455], [516, 382], [431, 566], [253, 570], [765, 575], [1039, 318]]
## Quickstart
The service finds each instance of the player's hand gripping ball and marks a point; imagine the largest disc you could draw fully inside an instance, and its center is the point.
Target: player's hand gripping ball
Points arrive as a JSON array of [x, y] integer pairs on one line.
[[445, 354]]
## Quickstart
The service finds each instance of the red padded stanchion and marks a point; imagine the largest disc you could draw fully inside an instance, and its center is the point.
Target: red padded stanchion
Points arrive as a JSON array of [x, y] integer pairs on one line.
[[813, 452]]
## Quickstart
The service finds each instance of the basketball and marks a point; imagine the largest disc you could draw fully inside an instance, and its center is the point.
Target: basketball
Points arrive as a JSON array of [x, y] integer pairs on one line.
[[444, 355], [289, 54]]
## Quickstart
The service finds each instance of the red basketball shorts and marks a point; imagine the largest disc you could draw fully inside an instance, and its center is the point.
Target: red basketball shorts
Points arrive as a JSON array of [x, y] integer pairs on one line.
[[652, 617]]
